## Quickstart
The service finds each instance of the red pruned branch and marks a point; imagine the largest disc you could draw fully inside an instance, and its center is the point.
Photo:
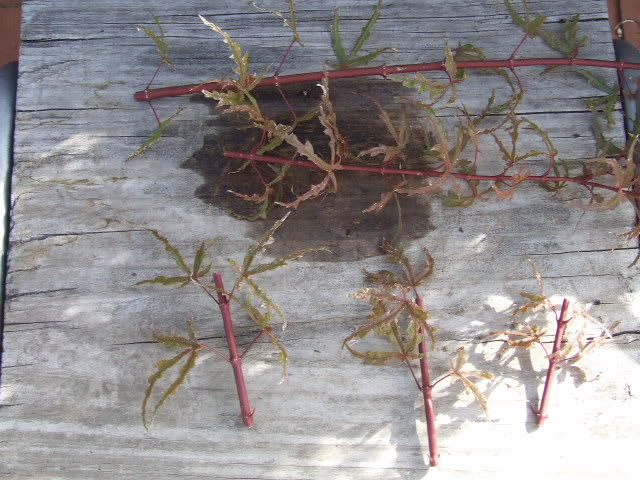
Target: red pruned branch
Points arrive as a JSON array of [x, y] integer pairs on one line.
[[561, 325], [426, 389], [234, 357], [150, 94], [433, 173]]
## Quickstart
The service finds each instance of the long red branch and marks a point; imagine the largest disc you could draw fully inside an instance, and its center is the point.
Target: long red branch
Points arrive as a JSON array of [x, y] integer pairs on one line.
[[427, 388], [150, 94], [234, 357], [431, 173], [561, 325]]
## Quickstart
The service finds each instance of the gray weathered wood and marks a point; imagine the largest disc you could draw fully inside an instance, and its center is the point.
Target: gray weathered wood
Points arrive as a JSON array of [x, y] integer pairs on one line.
[[76, 340]]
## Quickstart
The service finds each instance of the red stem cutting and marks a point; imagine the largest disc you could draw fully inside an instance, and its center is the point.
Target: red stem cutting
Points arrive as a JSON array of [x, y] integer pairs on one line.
[[150, 94], [561, 325], [431, 173], [234, 358], [426, 389]]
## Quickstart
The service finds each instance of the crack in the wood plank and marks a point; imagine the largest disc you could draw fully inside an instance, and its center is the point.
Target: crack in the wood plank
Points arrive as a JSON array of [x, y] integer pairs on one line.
[[56, 40], [36, 323], [616, 249], [18, 365], [11, 296], [82, 109], [587, 275], [39, 328], [44, 236]]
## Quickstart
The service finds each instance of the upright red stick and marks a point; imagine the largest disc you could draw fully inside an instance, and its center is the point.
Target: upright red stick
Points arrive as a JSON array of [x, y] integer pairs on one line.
[[561, 325], [428, 400], [234, 357]]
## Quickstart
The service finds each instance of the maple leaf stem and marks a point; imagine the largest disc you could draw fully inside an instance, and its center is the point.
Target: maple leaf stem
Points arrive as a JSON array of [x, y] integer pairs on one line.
[[234, 358], [444, 377], [526, 35], [561, 325], [404, 357], [155, 74], [284, 58], [580, 180], [214, 350], [426, 395], [150, 94], [246, 350]]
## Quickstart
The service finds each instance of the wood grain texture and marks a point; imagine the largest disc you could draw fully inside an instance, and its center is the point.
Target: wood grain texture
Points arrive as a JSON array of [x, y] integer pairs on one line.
[[77, 347]]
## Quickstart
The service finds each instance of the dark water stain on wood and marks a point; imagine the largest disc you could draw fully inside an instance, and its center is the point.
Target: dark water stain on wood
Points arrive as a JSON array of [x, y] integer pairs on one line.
[[334, 220]]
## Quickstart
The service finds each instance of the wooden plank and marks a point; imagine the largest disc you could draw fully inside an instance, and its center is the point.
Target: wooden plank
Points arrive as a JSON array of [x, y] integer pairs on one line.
[[77, 348]]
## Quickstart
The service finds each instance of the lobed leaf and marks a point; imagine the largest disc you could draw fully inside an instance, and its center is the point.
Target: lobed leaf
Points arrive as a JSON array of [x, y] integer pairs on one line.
[[288, 22], [281, 262], [458, 374], [531, 27], [162, 280], [336, 41], [240, 58], [173, 252], [155, 136], [162, 367], [351, 59], [364, 59], [197, 261], [161, 44], [568, 43], [176, 341], [182, 375], [366, 30]]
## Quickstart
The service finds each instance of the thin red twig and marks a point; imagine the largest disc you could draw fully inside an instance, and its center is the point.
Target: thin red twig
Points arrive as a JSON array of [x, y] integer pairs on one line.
[[234, 358], [513, 54], [561, 325], [433, 173], [216, 351], [246, 350], [150, 94]]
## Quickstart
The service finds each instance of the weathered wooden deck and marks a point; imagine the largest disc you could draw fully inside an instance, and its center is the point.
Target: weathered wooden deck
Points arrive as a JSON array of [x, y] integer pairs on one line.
[[77, 347]]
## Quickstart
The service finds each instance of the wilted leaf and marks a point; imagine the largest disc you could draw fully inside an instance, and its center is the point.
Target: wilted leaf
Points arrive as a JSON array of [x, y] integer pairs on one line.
[[173, 252], [434, 88], [568, 43], [240, 58], [383, 278], [536, 302], [450, 62], [162, 367], [314, 191], [177, 341], [155, 136], [161, 44], [288, 22], [458, 374], [531, 26], [162, 280], [261, 295], [277, 141], [186, 368], [281, 262], [197, 262]]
